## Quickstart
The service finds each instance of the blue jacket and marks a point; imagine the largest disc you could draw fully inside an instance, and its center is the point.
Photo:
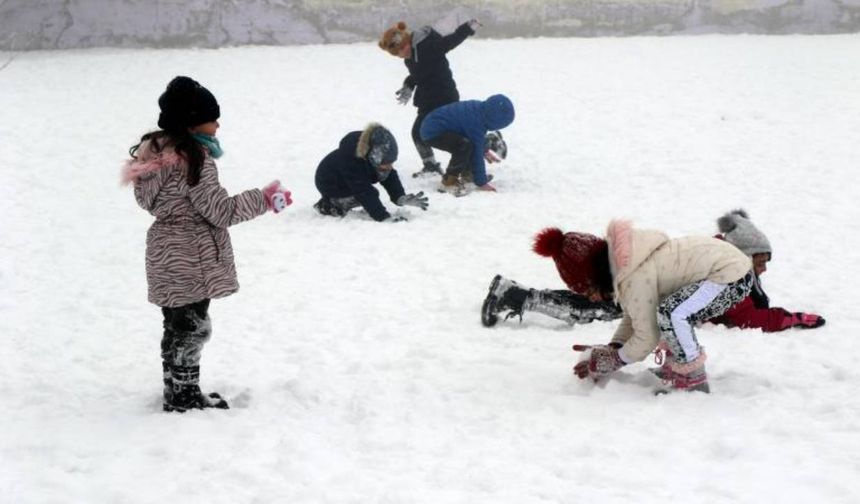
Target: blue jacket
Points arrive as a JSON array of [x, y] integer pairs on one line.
[[471, 119], [341, 174]]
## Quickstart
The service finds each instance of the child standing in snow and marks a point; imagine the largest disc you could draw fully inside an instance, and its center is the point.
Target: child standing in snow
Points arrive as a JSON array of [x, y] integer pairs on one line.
[[461, 129], [189, 258], [664, 287], [755, 309], [345, 177], [423, 52]]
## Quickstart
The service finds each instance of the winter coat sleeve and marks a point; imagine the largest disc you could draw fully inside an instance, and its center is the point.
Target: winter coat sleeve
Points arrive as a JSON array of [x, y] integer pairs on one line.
[[367, 195], [393, 186], [479, 166], [639, 299], [624, 331], [456, 38], [219, 208], [745, 315], [409, 82]]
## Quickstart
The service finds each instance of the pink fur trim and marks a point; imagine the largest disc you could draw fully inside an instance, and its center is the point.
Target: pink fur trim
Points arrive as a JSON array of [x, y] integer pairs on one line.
[[133, 169], [688, 367], [619, 234]]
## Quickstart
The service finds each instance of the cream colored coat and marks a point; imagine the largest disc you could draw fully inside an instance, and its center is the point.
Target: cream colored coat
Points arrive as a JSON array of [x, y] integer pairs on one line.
[[647, 267]]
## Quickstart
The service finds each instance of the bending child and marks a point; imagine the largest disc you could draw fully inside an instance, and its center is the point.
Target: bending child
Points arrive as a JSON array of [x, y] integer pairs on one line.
[[754, 311], [664, 287], [461, 129]]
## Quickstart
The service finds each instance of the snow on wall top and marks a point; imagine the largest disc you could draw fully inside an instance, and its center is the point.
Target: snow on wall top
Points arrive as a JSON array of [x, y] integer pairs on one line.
[[56, 24]]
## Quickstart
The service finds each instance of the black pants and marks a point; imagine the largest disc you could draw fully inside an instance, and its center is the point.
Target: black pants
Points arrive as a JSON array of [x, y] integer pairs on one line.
[[186, 329], [423, 148], [459, 147], [570, 307]]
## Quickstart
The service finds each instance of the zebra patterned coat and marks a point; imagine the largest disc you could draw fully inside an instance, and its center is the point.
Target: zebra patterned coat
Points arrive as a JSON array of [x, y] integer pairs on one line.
[[189, 256]]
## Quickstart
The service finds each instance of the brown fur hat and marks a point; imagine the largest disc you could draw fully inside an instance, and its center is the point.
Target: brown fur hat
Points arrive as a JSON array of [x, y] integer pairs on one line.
[[395, 38]]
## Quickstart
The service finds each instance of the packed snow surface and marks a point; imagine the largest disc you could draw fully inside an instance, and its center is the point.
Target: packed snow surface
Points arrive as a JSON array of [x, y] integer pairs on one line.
[[353, 355]]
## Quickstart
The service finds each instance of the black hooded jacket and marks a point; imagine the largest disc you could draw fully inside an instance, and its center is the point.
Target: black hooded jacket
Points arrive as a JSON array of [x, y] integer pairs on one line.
[[341, 174], [429, 70]]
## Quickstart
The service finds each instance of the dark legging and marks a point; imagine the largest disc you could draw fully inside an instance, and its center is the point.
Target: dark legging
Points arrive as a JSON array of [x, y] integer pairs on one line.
[[186, 329], [423, 148], [679, 312], [570, 307], [459, 147]]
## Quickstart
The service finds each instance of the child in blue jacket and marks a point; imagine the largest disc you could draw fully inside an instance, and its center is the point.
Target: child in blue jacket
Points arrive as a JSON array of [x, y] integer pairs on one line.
[[460, 129]]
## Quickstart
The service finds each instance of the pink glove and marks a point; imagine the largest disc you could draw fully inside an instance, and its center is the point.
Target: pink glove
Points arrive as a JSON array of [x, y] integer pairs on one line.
[[604, 359], [807, 320], [276, 196]]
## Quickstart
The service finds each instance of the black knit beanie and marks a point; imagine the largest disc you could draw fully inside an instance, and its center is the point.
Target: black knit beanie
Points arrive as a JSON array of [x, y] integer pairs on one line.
[[185, 104]]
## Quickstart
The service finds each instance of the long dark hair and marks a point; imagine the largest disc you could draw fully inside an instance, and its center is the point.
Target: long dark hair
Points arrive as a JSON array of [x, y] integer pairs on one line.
[[183, 143]]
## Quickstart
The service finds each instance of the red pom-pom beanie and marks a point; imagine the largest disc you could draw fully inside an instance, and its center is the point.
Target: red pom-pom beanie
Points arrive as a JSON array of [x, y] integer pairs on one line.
[[582, 259]]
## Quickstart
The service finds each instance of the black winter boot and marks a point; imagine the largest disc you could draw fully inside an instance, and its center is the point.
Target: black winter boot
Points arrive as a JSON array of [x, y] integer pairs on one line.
[[167, 378], [503, 295], [186, 392], [326, 207]]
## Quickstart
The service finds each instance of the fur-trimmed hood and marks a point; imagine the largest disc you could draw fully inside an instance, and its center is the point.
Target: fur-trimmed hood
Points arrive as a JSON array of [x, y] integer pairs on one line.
[[148, 162], [629, 248], [363, 146], [376, 145]]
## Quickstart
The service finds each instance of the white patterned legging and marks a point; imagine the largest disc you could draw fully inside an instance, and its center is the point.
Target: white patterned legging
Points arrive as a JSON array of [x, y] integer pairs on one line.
[[696, 302]]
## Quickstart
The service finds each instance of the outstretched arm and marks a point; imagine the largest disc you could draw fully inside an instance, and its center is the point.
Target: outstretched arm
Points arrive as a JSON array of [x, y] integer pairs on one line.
[[746, 316], [219, 208], [462, 32]]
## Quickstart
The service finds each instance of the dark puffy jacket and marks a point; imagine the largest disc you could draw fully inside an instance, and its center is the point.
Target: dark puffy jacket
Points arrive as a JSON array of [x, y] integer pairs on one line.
[[471, 119], [342, 173], [429, 70]]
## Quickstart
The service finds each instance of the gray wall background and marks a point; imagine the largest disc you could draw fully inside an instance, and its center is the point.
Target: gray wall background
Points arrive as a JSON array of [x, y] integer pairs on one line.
[[61, 24]]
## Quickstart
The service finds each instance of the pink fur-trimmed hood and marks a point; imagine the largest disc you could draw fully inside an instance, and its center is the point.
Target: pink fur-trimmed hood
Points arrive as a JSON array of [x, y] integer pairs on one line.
[[148, 162], [629, 248]]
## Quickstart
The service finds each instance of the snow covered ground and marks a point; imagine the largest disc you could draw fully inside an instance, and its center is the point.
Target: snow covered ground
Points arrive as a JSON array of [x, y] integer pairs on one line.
[[354, 355]]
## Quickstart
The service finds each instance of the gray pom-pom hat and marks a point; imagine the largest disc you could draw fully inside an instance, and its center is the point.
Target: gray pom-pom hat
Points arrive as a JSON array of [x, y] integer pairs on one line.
[[738, 230]]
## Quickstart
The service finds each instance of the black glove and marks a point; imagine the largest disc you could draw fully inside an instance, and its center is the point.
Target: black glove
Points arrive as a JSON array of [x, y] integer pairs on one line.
[[404, 94], [416, 200]]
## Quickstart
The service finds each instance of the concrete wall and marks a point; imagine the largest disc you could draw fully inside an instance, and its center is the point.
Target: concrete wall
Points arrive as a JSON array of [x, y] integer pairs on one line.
[[60, 24]]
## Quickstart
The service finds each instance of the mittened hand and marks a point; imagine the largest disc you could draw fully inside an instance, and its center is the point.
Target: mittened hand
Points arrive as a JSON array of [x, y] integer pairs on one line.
[[807, 320], [416, 200], [604, 359], [474, 24], [276, 196], [404, 94]]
